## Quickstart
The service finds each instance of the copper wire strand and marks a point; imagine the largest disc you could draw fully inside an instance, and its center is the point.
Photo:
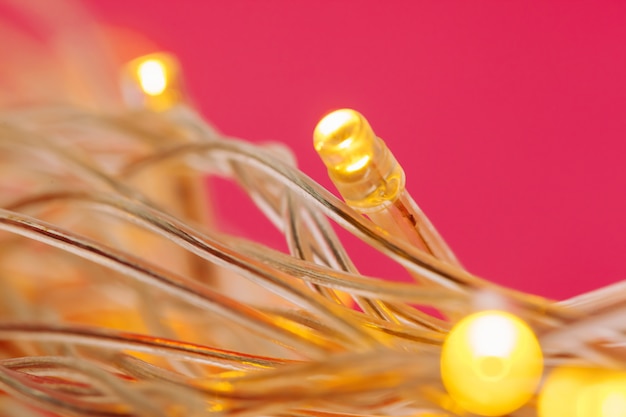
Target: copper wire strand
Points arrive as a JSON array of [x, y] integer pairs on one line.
[[350, 363], [239, 152], [305, 271], [348, 282], [94, 376], [115, 340], [418, 262], [188, 290]]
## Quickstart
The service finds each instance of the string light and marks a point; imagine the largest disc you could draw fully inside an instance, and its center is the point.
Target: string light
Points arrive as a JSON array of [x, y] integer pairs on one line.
[[153, 81], [152, 76], [583, 392], [116, 230], [361, 166], [491, 363], [371, 180]]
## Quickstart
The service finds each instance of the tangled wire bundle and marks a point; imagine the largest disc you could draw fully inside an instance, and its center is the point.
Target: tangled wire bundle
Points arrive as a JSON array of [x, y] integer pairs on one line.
[[119, 300]]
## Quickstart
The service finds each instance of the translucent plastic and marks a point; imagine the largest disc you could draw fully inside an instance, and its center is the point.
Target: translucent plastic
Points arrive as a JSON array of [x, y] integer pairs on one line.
[[491, 363], [359, 163]]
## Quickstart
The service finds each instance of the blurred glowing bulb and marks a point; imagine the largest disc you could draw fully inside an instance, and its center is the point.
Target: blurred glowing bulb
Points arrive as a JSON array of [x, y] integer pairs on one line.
[[592, 393], [491, 363], [359, 163], [152, 76], [153, 81], [614, 405]]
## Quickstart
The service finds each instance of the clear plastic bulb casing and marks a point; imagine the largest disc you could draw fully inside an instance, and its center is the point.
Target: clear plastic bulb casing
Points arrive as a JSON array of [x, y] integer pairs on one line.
[[491, 363], [359, 163]]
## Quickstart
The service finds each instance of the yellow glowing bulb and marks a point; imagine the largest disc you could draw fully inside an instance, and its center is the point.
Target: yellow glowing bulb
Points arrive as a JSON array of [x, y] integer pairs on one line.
[[364, 170], [491, 363], [152, 76], [345, 141], [153, 81], [589, 392]]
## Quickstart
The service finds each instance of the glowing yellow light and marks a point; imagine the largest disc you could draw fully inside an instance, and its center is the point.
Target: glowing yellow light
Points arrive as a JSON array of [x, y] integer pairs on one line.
[[613, 405], [491, 363], [364, 170], [345, 141], [591, 393], [359, 164], [153, 81], [152, 77], [334, 121]]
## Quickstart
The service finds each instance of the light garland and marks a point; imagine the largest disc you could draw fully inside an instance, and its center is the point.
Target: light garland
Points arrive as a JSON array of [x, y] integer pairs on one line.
[[119, 302]]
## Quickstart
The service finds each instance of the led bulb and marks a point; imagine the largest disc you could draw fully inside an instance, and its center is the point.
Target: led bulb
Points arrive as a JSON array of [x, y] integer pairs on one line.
[[359, 163], [491, 363], [153, 81], [590, 393], [152, 76]]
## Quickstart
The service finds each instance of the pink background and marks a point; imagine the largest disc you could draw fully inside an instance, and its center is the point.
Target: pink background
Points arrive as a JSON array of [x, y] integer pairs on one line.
[[508, 116]]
